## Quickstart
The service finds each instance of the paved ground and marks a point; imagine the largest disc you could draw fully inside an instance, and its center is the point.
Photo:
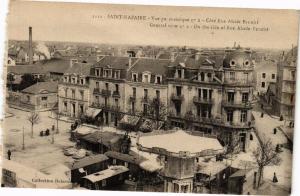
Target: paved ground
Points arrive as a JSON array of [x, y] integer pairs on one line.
[[39, 151]]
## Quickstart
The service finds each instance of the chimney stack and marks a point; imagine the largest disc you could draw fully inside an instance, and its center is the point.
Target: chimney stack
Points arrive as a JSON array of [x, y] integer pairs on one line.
[[30, 49], [197, 56]]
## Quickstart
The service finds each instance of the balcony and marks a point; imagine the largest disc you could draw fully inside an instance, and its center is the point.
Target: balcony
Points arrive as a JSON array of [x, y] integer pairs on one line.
[[116, 94], [201, 100], [105, 93], [106, 106], [236, 104], [96, 91], [145, 99], [132, 98], [177, 98]]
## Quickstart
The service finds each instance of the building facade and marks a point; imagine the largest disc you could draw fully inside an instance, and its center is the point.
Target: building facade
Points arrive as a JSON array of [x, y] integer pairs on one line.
[[286, 85], [73, 90], [265, 73]]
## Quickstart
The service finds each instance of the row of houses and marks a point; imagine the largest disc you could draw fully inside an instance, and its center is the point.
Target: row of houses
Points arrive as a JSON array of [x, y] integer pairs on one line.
[[208, 92]]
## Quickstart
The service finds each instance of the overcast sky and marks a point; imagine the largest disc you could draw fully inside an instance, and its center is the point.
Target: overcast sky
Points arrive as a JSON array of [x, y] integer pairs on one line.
[[74, 22]]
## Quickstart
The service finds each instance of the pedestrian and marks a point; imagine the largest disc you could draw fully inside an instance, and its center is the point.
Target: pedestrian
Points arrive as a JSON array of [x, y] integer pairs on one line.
[[275, 180], [277, 148], [9, 154], [274, 131], [262, 115]]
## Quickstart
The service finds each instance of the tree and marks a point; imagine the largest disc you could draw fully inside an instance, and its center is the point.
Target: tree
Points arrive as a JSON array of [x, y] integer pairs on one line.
[[10, 80], [157, 111], [33, 118], [264, 155]]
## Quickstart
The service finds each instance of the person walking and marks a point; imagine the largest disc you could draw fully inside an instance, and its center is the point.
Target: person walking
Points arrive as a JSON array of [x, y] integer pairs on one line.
[[8, 154], [275, 180]]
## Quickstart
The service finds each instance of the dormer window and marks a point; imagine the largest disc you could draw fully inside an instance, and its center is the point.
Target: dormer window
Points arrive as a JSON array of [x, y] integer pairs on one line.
[[97, 72], [117, 74], [66, 79], [202, 76], [73, 80], [158, 79], [134, 77], [146, 77], [81, 81]]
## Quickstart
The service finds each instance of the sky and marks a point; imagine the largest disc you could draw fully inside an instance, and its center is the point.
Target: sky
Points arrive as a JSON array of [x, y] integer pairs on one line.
[[76, 23]]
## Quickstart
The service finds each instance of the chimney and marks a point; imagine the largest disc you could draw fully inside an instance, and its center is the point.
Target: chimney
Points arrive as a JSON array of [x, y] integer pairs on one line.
[[197, 56], [172, 57], [129, 62], [30, 49]]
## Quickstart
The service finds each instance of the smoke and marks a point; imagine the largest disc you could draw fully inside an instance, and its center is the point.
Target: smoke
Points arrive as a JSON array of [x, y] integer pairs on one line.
[[41, 47]]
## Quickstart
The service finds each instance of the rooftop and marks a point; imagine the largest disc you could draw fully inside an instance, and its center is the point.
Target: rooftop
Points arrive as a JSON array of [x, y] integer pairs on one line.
[[111, 171], [115, 62], [41, 87], [155, 66], [170, 142], [88, 161]]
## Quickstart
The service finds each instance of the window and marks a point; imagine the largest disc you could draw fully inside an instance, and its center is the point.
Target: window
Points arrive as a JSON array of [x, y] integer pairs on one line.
[[178, 90], [97, 72], [230, 97], [243, 116], [178, 109], [202, 76], [273, 76], [263, 75], [134, 92], [105, 101], [293, 75], [117, 74], [66, 78], [209, 75], [81, 81], [134, 77], [210, 94], [44, 98], [73, 93], [157, 94], [146, 78], [81, 95], [292, 98], [117, 102], [245, 97], [145, 109], [97, 85], [232, 75], [263, 84], [145, 93], [73, 80], [158, 79], [106, 86], [198, 110], [179, 73], [117, 87], [229, 116], [133, 107], [66, 92], [204, 91], [65, 106], [114, 161], [107, 73], [81, 109], [97, 99], [199, 92]]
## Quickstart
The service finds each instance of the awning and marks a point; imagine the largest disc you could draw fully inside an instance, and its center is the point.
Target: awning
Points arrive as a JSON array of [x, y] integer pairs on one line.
[[92, 112], [129, 119]]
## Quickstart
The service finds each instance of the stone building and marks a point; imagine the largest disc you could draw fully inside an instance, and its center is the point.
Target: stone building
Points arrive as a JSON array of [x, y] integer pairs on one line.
[[73, 90], [213, 95], [265, 73], [284, 101]]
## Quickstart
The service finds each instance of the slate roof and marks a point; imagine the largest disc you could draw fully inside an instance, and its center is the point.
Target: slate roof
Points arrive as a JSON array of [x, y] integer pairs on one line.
[[135, 159], [240, 173], [79, 68], [155, 66], [266, 66], [106, 138], [88, 161], [51, 87], [115, 62], [26, 69]]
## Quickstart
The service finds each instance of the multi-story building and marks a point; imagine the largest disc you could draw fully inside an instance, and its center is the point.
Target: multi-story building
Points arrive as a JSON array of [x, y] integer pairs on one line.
[[213, 96], [265, 73], [73, 90], [284, 100], [146, 89], [107, 86]]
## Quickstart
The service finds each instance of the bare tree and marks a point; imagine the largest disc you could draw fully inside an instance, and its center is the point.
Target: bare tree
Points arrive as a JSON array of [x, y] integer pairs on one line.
[[33, 118], [157, 111], [264, 155]]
